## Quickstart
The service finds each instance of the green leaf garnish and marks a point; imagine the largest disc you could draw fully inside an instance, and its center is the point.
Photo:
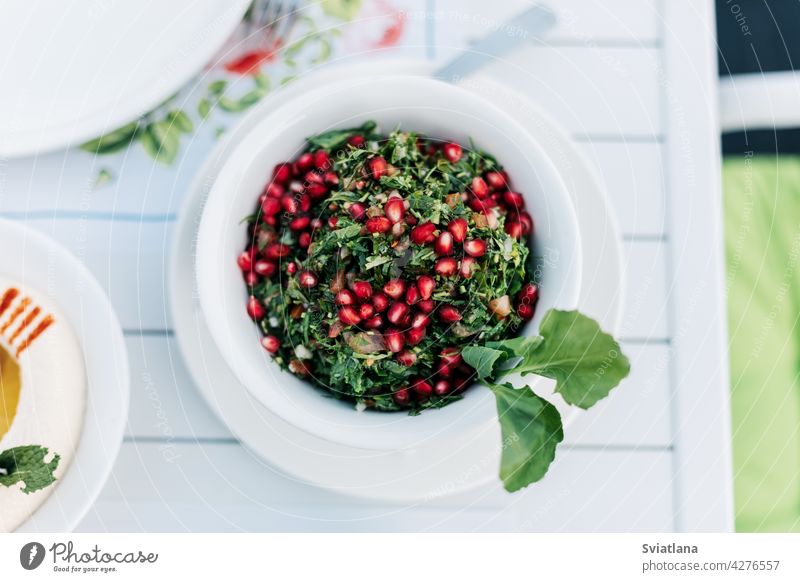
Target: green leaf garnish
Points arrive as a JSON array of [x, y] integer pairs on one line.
[[113, 141], [26, 465]]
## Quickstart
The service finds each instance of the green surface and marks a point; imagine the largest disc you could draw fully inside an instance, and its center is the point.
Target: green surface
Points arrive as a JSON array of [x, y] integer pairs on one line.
[[762, 236]]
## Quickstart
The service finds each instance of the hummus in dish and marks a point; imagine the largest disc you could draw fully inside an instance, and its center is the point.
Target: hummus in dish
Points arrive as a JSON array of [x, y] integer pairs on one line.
[[42, 390]]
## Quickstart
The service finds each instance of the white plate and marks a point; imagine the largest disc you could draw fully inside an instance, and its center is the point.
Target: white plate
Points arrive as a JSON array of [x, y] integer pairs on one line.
[[74, 70], [407, 476], [42, 264]]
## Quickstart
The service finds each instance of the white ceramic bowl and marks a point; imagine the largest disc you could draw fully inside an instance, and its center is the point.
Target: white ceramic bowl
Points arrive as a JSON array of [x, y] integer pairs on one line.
[[426, 106]]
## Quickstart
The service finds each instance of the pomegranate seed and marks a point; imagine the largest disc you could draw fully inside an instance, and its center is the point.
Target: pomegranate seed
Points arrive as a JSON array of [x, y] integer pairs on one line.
[[377, 167], [316, 223], [441, 388], [426, 305], [443, 370], [357, 211], [468, 267], [270, 343], [397, 312], [449, 314], [265, 268], [300, 223], [415, 335], [277, 250], [422, 388], [424, 233], [496, 180], [271, 206], [379, 224], [375, 322], [270, 220], [461, 383], [344, 297], [322, 160], [251, 279], [411, 220], [394, 339], [398, 228], [528, 294], [426, 285], [282, 173], [331, 178], [402, 396], [451, 357], [275, 190], [482, 205], [394, 288], [291, 268], [290, 204], [380, 302], [307, 279], [458, 228], [475, 247], [527, 223], [365, 311], [317, 190], [314, 178], [452, 152], [412, 295], [349, 316], [446, 267], [420, 320], [394, 209], [501, 306], [479, 187], [305, 161], [245, 261], [304, 240], [514, 200], [514, 229], [356, 141], [255, 309], [305, 202], [526, 311], [332, 222], [406, 358], [444, 244], [362, 289]]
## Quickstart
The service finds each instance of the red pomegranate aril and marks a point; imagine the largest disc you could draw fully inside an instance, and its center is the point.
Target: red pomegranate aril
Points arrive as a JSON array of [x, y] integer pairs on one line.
[[316, 223], [271, 206], [348, 315], [394, 209], [379, 224], [305, 202], [358, 211], [305, 161], [245, 260], [475, 247], [374, 322], [479, 187], [314, 178], [255, 309], [331, 178], [296, 187], [356, 141], [446, 267], [317, 190], [514, 229], [275, 190], [426, 285], [444, 244], [380, 302], [270, 343], [304, 240], [426, 305], [251, 279], [282, 173], [528, 294], [291, 268], [290, 204], [496, 180], [450, 357], [461, 383], [277, 250], [458, 228], [397, 311], [406, 358], [402, 396], [449, 314], [265, 268], [322, 160], [362, 289], [526, 311], [424, 233], [415, 335], [422, 388], [344, 297], [482, 205], [365, 311], [452, 152], [443, 370], [395, 288], [270, 220], [332, 222], [420, 320], [412, 295], [307, 279], [514, 200], [441, 388], [300, 223], [526, 221], [468, 267], [395, 340], [377, 167]]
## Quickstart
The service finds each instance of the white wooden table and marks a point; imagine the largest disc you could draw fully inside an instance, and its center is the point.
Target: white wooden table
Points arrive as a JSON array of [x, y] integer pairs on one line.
[[634, 82]]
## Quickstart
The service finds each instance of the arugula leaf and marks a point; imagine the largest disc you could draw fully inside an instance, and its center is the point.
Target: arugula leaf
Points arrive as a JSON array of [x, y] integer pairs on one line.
[[26, 465], [531, 431], [484, 359]]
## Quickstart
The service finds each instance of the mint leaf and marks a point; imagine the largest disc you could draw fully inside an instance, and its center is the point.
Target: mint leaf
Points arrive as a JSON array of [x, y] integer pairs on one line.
[[26, 465], [585, 362], [531, 430]]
